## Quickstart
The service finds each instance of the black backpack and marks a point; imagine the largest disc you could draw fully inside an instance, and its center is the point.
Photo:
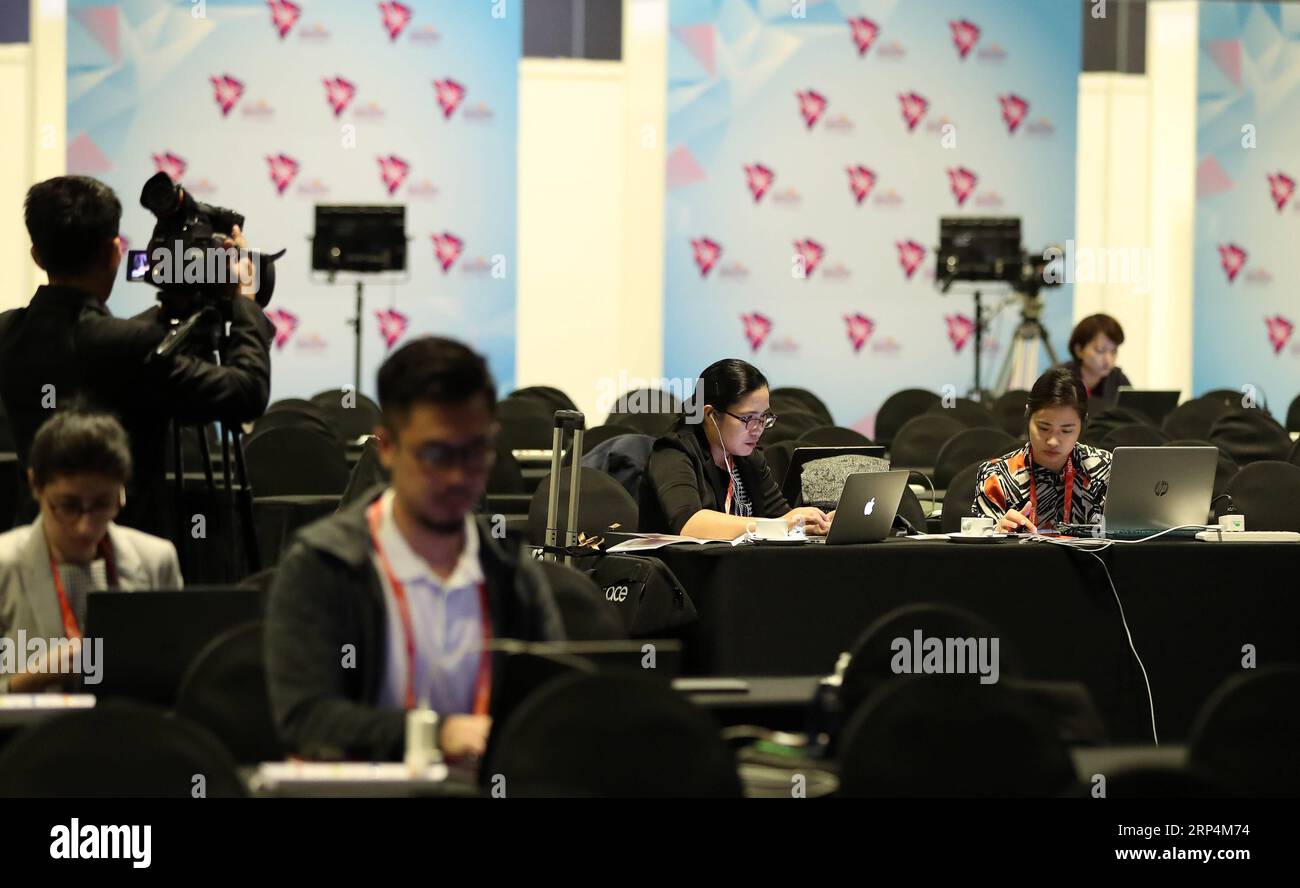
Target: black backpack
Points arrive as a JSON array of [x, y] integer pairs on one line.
[[646, 593]]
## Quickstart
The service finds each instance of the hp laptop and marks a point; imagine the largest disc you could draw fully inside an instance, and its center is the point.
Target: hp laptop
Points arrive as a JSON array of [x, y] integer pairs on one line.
[[1155, 488], [867, 508], [1155, 404]]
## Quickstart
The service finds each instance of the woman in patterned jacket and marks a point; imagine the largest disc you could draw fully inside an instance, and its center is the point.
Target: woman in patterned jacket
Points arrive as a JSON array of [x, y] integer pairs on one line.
[[1052, 479]]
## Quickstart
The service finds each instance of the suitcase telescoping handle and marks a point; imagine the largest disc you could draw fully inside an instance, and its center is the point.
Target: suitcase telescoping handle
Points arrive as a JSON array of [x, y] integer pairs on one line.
[[564, 420]]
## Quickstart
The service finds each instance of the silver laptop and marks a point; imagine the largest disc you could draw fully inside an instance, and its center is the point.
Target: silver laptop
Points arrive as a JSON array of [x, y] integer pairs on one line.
[[1155, 488], [867, 507]]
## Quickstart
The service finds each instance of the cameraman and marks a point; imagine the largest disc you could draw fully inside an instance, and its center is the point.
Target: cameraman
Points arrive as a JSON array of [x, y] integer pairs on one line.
[[66, 347]]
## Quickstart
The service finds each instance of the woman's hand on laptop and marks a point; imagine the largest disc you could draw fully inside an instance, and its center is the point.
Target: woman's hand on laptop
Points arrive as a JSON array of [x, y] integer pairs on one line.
[[1013, 521], [815, 521]]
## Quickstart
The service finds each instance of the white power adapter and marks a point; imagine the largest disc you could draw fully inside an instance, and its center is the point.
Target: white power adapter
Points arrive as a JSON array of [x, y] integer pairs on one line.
[[1234, 523]]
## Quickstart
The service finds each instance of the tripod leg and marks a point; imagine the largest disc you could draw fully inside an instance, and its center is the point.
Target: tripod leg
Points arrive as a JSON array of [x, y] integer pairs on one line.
[[246, 504], [179, 535], [206, 451]]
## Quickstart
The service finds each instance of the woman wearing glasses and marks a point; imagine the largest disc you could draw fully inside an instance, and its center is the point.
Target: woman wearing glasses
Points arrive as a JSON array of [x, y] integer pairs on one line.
[[78, 469], [705, 478]]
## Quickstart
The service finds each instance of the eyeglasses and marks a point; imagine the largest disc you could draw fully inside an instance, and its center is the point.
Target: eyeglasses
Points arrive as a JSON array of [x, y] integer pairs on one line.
[[473, 457], [754, 421], [70, 510]]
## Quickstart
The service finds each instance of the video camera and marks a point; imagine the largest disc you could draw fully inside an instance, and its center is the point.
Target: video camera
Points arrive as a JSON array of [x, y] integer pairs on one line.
[[978, 249], [187, 258]]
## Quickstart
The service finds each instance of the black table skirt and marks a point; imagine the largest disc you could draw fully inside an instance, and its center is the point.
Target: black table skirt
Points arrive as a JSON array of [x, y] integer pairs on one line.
[[1191, 607]]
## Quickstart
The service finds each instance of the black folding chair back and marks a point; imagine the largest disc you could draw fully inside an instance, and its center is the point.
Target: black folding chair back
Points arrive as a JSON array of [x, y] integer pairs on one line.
[[971, 414], [970, 445], [959, 499], [1249, 436], [833, 436], [1134, 435], [549, 397], [919, 441], [790, 427], [352, 414], [1247, 734], [602, 503], [1193, 419], [898, 408], [1009, 409], [1268, 494], [802, 400], [295, 462], [312, 420]]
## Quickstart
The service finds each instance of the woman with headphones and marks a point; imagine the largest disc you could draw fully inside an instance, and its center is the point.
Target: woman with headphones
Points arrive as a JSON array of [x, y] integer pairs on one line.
[[1052, 479], [705, 478]]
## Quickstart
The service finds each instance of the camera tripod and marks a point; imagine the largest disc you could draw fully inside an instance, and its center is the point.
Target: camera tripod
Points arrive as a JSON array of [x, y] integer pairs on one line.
[[1020, 365], [206, 328]]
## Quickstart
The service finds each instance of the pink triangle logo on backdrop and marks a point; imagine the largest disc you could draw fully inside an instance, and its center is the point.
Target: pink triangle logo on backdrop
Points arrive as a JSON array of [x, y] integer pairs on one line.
[[450, 94], [759, 179], [914, 108], [1233, 259], [284, 15], [910, 254], [757, 328], [859, 328], [1282, 187], [170, 164], [102, 23], [283, 169], [1279, 332], [810, 254], [861, 181], [965, 34], [447, 249], [1212, 178], [864, 32], [1014, 110], [812, 105], [393, 171], [395, 16], [698, 40], [285, 323], [1227, 56], [392, 324], [962, 181], [707, 252], [339, 93], [226, 90], [960, 330]]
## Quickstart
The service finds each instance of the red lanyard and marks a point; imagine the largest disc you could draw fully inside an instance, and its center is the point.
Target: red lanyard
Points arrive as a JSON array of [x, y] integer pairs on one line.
[[70, 627], [1033, 489], [483, 683]]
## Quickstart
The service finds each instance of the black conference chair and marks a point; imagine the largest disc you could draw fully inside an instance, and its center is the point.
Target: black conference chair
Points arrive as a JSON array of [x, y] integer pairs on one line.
[[898, 408], [971, 414], [959, 498], [1294, 457], [802, 400], [293, 404], [1247, 734], [779, 455], [291, 418], [1135, 435], [945, 739], [911, 510], [1229, 399], [549, 397], [350, 422], [601, 434], [295, 462], [525, 425], [1224, 471], [919, 441], [587, 616], [1009, 409], [612, 735], [1249, 436], [602, 504], [118, 749], [506, 475], [873, 652], [833, 436], [367, 471], [224, 690], [644, 402], [968, 446], [1268, 494], [1193, 419], [1293, 415], [1105, 420], [790, 427], [656, 425]]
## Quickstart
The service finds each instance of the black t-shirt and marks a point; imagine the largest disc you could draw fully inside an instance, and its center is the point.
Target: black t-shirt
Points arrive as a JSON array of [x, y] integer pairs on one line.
[[681, 478]]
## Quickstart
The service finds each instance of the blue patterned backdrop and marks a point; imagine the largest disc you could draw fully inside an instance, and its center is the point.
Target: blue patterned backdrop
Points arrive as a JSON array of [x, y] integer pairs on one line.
[[817, 144], [271, 106], [1247, 296]]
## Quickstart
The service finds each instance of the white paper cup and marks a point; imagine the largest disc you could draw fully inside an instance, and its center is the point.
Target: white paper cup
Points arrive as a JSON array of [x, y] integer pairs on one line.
[[767, 528]]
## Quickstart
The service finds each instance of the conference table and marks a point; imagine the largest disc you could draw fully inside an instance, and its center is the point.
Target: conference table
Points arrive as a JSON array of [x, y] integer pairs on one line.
[[1192, 608]]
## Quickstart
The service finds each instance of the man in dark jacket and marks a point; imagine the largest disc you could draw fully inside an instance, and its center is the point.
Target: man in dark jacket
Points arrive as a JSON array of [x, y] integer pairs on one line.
[[65, 347], [387, 604]]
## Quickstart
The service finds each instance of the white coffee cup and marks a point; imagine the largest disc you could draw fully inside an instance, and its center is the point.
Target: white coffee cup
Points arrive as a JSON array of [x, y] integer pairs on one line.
[[769, 529], [976, 526]]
